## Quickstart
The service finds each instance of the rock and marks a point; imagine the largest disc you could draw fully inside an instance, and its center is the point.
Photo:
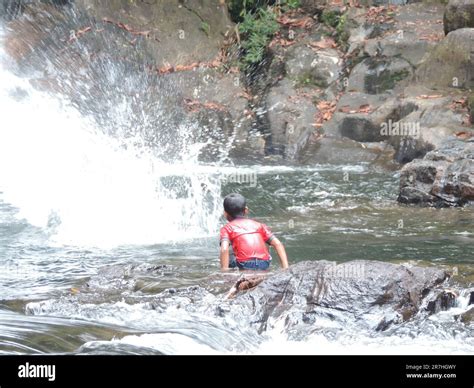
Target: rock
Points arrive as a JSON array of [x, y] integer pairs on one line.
[[471, 298], [378, 75], [305, 67], [290, 117], [89, 69], [444, 177], [441, 301], [458, 14], [451, 64], [467, 317], [373, 294], [361, 116], [408, 47], [336, 150], [407, 36], [180, 32], [219, 109]]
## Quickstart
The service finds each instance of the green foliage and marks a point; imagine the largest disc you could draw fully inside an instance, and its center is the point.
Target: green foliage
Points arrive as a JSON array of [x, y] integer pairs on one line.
[[257, 25], [206, 28], [309, 80], [290, 4], [338, 21], [239, 8], [330, 18], [341, 30], [387, 80], [257, 30]]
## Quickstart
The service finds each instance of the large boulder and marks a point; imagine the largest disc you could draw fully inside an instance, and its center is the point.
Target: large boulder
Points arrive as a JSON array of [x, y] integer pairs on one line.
[[451, 64], [458, 14], [426, 127], [373, 295], [444, 177]]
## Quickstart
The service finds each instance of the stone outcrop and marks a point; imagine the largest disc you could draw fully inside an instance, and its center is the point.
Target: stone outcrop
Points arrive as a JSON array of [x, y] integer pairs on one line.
[[444, 177]]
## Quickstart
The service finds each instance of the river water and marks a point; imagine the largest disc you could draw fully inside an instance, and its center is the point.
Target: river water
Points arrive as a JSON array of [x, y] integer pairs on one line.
[[76, 201]]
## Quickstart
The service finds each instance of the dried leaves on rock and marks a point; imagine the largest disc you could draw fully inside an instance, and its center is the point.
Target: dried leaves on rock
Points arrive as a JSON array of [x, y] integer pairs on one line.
[[196, 106], [325, 111]]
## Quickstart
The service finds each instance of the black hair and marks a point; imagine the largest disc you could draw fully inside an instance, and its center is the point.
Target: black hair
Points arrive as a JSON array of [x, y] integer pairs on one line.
[[234, 205]]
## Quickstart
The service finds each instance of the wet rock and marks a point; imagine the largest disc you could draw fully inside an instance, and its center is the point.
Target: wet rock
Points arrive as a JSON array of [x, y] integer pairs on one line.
[[378, 75], [191, 299], [467, 317], [451, 64], [444, 177], [89, 69], [471, 298], [373, 294], [425, 128], [290, 118], [180, 32], [442, 301], [458, 14]]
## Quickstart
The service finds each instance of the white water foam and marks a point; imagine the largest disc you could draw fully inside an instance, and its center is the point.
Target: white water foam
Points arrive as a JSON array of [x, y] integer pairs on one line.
[[88, 189]]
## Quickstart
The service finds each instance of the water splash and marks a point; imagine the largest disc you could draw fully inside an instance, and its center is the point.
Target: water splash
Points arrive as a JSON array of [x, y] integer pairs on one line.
[[87, 188]]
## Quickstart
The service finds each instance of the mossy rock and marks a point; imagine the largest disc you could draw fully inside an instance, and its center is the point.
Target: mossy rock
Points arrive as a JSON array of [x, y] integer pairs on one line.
[[458, 14], [376, 76]]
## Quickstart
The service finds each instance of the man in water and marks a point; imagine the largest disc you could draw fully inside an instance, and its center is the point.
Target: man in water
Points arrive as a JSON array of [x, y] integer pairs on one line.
[[248, 238]]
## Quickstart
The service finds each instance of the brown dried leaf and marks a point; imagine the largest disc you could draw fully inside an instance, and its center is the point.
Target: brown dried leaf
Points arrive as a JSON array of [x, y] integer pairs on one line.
[[304, 22], [325, 43], [428, 96]]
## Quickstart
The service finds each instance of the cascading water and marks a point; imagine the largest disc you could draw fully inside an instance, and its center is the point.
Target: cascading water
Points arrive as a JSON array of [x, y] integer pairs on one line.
[[87, 188]]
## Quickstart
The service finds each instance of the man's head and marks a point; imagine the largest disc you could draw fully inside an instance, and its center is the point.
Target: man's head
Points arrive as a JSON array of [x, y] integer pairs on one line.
[[234, 205]]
